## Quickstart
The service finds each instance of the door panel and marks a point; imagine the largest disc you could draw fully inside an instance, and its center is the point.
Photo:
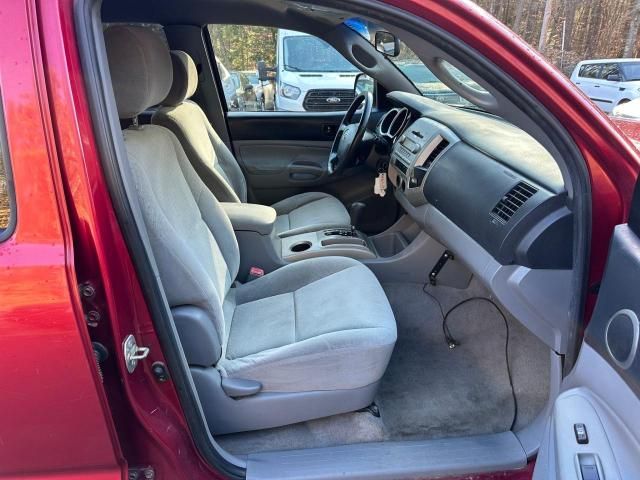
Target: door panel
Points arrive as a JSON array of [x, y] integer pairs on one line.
[[603, 390], [280, 164], [285, 153]]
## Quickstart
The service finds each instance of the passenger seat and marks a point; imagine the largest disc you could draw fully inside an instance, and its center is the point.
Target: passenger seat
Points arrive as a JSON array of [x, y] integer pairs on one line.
[[305, 212], [309, 340]]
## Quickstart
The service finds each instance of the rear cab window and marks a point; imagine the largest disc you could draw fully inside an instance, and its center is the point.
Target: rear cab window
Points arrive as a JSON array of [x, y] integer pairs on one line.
[[272, 69]]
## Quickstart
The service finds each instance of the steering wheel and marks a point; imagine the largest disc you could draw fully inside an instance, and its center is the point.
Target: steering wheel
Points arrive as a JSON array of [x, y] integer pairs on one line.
[[349, 134]]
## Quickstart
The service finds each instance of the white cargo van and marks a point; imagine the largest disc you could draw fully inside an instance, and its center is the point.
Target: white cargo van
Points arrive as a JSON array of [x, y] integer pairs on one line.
[[609, 82], [311, 75]]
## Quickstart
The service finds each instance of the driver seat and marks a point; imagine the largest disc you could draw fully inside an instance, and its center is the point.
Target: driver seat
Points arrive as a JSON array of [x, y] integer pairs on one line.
[[219, 170]]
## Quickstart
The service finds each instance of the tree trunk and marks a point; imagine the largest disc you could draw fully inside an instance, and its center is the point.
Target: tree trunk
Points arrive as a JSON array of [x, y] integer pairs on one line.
[[545, 25], [519, 12], [570, 15], [632, 33]]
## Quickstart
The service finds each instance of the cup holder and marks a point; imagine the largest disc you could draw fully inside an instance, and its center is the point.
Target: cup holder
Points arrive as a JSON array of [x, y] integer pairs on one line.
[[300, 247]]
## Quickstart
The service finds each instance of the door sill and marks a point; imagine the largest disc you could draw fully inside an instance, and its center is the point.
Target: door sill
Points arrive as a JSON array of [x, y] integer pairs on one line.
[[385, 460]]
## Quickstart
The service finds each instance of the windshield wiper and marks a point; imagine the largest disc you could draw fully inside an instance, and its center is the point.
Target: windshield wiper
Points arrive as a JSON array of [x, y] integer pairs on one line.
[[292, 68]]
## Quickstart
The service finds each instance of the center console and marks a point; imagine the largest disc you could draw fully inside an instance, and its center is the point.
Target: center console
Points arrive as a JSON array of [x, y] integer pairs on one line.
[[261, 247], [400, 253], [336, 241]]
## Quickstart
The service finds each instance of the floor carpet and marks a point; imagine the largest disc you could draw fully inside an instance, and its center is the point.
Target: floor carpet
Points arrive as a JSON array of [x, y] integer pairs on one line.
[[430, 390]]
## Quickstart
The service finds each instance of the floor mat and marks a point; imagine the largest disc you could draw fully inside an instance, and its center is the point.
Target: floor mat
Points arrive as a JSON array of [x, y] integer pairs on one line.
[[431, 391]]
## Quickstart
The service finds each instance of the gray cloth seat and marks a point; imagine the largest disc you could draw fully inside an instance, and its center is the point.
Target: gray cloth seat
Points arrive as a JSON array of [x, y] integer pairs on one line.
[[328, 316], [315, 336], [216, 165]]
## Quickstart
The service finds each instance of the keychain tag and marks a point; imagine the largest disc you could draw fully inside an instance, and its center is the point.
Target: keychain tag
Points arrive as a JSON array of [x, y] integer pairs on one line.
[[380, 184]]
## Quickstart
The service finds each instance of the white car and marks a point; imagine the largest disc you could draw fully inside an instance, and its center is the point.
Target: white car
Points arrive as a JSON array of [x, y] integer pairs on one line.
[[609, 82]]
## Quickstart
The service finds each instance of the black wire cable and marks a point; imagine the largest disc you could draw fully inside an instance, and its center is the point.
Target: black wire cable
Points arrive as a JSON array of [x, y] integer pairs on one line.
[[452, 342]]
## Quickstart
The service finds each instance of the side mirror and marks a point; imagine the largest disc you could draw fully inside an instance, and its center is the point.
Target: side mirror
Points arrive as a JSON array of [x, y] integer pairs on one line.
[[387, 43], [614, 77], [363, 83]]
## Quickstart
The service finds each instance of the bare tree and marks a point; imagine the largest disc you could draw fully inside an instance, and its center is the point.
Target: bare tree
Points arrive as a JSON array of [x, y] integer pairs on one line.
[[569, 15], [519, 12], [632, 33], [545, 24]]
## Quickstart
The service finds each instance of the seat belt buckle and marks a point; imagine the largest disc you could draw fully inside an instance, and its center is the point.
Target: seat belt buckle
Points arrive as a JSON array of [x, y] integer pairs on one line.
[[255, 272]]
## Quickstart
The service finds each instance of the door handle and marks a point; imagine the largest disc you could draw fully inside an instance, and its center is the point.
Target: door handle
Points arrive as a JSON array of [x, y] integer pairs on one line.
[[305, 171]]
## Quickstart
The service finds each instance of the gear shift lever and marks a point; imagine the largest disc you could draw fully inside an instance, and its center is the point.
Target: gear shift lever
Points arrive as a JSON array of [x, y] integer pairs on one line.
[[355, 212]]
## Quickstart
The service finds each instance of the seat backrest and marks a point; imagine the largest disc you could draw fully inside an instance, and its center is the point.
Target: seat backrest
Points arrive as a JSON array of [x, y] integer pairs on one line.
[[191, 237], [208, 154]]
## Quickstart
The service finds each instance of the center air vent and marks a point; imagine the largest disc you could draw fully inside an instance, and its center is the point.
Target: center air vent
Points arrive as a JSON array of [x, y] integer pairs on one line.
[[435, 152], [512, 201]]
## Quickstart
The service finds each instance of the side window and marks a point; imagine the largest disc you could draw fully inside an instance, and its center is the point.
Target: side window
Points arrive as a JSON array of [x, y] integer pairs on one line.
[[609, 69], [590, 71], [271, 69], [7, 209]]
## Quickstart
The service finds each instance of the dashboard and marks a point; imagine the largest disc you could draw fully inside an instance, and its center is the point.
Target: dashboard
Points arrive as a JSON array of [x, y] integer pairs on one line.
[[492, 180]]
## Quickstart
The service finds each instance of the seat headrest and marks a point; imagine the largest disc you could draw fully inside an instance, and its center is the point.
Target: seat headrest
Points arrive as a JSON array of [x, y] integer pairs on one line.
[[140, 67], [185, 78]]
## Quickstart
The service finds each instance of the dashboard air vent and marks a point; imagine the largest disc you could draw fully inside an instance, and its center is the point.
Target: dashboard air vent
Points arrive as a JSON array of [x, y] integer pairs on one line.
[[512, 201], [436, 151]]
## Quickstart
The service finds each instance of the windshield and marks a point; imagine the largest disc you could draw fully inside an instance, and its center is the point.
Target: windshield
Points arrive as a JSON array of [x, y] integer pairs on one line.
[[304, 53], [415, 70], [631, 71]]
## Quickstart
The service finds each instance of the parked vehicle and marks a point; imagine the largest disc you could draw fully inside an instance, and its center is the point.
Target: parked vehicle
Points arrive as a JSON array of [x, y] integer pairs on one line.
[[608, 82], [228, 85], [252, 77], [414, 290], [311, 75], [245, 93]]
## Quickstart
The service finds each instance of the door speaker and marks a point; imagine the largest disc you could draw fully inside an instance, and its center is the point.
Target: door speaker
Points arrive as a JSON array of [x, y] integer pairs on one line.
[[621, 337]]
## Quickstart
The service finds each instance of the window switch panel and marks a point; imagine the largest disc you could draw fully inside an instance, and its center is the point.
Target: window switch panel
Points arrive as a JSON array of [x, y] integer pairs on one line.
[[581, 433]]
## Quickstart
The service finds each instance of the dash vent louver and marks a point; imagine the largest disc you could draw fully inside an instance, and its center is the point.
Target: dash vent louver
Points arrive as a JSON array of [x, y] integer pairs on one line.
[[444, 143], [508, 205]]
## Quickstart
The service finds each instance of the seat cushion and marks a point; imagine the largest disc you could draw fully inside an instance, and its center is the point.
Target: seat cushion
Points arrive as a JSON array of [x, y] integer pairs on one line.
[[317, 324], [309, 212]]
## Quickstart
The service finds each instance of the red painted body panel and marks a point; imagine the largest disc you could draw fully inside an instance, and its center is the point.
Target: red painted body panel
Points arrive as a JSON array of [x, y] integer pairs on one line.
[[147, 414], [53, 413], [59, 417]]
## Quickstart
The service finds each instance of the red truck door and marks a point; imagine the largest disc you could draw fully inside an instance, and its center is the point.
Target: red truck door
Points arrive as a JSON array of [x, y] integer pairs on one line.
[[54, 420]]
